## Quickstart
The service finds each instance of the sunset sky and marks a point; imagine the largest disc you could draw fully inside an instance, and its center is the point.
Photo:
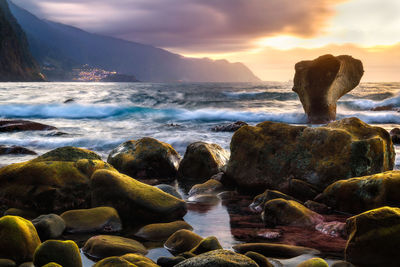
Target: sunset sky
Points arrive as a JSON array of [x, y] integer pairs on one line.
[[269, 36]]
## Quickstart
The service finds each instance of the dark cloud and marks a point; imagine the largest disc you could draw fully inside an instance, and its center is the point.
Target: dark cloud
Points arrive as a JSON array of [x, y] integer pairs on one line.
[[191, 25]]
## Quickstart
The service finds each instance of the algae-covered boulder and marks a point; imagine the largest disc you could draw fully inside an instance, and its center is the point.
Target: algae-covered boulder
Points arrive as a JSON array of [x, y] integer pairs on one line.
[[274, 250], [270, 154], [102, 246], [288, 212], [205, 245], [202, 160], [100, 219], [7, 263], [220, 258], [314, 262], [363, 193], [261, 260], [374, 238], [146, 158], [18, 239], [55, 181], [52, 264], [161, 231], [169, 189], [49, 226], [182, 241], [259, 201], [65, 253], [209, 187], [139, 260], [133, 199], [321, 82], [114, 262]]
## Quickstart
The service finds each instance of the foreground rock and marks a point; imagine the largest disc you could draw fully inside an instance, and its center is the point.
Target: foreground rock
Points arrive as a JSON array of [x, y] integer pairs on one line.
[[64, 253], [374, 238], [101, 219], [133, 199], [222, 258], [22, 125], [161, 231], [18, 239], [357, 195], [274, 250], [146, 158], [49, 226], [15, 150], [321, 82], [259, 201], [103, 246], [290, 213], [314, 262], [55, 181], [202, 160], [182, 241], [129, 260], [207, 244], [270, 154], [210, 187]]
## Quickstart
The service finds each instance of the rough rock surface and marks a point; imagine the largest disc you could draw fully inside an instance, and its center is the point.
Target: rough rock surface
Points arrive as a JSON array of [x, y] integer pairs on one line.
[[321, 82], [270, 154], [146, 158], [230, 127], [202, 160]]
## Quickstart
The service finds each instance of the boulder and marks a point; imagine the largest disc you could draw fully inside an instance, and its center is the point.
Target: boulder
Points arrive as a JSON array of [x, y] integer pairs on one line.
[[374, 238], [169, 189], [27, 264], [270, 154], [52, 264], [114, 262], [169, 261], [360, 194], [18, 239], [26, 214], [302, 190], [322, 81], [100, 219], [209, 187], [205, 245], [103, 246], [342, 264], [161, 231], [50, 226], [220, 258], [64, 253], [15, 150], [395, 134], [202, 160], [53, 182], [133, 199], [314, 262], [139, 260], [182, 241], [274, 250], [146, 158], [7, 263], [289, 213], [261, 260], [23, 125], [230, 127], [259, 201]]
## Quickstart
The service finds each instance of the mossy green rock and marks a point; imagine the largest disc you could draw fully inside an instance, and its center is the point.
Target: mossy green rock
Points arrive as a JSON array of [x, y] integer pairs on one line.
[[161, 231], [314, 262], [7, 263], [100, 219], [103, 246], [270, 154], [133, 199], [182, 241], [139, 260], [360, 194], [209, 187], [52, 264], [68, 153], [18, 239], [49, 186], [114, 262], [146, 158], [289, 213], [274, 250], [220, 258], [207, 244], [49, 226], [261, 260], [65, 253], [260, 200], [202, 160], [374, 238]]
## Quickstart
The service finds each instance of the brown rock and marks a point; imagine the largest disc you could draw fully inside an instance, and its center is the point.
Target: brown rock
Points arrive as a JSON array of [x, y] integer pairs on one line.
[[22, 125]]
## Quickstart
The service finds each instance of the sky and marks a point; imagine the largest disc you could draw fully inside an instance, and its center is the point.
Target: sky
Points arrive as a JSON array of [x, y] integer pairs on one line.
[[269, 36]]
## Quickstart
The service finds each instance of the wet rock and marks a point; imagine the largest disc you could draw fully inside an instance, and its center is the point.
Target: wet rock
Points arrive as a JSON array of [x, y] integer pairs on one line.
[[69, 100], [133, 199], [56, 133], [230, 127], [271, 154], [23, 125], [52, 264], [161, 231], [170, 261], [169, 189], [374, 238], [302, 190], [100, 219], [27, 264], [364, 193], [201, 161], [139, 260], [205, 245], [15, 150], [288, 212], [333, 228], [322, 81], [314, 262], [56, 181], [385, 108], [146, 158], [259, 201], [182, 241], [103, 246], [114, 262], [26, 214], [49, 226], [7, 263], [261, 260], [64, 253], [209, 187], [342, 264], [274, 250], [395, 134], [221, 258], [317, 207], [18, 239]]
